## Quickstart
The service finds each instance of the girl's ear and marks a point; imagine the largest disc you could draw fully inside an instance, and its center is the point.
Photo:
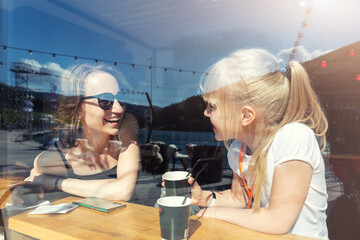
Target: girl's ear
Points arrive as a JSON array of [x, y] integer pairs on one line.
[[248, 115]]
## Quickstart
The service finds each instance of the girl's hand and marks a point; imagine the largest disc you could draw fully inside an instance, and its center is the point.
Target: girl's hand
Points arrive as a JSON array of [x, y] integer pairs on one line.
[[197, 194], [207, 212]]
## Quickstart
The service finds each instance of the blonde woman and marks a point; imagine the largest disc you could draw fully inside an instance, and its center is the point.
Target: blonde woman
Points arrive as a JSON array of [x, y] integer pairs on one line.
[[97, 155], [270, 119]]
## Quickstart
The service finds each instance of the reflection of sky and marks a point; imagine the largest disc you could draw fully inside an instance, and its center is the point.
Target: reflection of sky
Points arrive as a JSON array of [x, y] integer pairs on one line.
[[268, 24]]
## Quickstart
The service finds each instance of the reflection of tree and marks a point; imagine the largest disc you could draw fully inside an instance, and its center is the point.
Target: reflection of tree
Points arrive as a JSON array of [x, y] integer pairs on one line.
[[184, 116]]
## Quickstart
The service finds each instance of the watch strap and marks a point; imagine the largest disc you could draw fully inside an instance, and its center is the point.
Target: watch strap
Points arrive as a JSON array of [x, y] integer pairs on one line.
[[213, 200]]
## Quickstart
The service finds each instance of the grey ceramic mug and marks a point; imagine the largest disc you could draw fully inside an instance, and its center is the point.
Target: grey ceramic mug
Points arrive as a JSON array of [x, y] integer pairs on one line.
[[174, 217], [176, 183]]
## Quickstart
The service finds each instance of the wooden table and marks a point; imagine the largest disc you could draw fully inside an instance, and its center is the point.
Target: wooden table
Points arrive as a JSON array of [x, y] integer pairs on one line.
[[5, 197], [133, 222], [5, 193]]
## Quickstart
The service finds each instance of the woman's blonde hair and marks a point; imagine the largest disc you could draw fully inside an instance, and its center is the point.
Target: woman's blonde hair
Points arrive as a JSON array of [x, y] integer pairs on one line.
[[252, 77], [73, 83]]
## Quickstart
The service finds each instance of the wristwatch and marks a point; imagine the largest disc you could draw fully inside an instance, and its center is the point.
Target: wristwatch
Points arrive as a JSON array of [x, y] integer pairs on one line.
[[213, 200]]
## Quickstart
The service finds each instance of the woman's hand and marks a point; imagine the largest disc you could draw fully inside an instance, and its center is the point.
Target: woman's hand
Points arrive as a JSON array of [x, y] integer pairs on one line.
[[46, 181], [27, 194], [33, 174]]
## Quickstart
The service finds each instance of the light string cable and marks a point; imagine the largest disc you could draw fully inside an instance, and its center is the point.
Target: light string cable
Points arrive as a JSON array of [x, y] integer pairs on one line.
[[97, 60], [304, 25]]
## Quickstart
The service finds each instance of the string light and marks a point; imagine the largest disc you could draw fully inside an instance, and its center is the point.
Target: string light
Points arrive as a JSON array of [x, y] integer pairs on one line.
[[302, 3], [358, 78], [323, 64], [300, 34], [30, 52], [352, 52], [305, 24]]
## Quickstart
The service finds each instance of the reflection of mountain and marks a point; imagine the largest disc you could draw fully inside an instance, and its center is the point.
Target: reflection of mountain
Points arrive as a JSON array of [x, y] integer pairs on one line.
[[45, 103], [184, 116], [142, 113]]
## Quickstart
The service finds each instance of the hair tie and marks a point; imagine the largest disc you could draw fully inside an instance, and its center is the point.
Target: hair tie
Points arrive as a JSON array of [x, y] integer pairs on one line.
[[286, 71]]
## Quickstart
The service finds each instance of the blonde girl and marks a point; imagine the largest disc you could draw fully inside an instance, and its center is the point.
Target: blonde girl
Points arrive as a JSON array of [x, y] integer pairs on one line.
[[271, 121]]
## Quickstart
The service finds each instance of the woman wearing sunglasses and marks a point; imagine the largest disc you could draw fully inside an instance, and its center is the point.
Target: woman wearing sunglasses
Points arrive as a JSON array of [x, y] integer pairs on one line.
[[97, 154]]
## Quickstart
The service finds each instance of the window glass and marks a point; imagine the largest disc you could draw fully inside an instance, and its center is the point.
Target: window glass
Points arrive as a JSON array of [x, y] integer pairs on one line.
[[160, 51]]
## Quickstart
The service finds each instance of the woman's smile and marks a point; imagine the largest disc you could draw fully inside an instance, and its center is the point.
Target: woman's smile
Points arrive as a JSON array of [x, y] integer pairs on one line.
[[113, 120]]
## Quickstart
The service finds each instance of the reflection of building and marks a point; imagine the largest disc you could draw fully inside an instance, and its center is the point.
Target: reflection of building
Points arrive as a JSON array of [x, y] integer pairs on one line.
[[339, 91], [23, 99]]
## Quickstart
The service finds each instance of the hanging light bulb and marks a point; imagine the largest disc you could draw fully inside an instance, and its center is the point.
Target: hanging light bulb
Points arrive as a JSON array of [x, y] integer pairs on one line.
[[30, 52], [305, 25], [323, 64], [53, 55], [300, 35]]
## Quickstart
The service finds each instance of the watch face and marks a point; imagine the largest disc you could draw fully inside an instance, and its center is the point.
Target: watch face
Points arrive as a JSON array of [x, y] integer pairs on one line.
[[213, 200], [214, 195]]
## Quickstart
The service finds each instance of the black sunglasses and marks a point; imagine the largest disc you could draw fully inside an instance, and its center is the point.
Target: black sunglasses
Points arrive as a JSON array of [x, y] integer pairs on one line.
[[106, 100]]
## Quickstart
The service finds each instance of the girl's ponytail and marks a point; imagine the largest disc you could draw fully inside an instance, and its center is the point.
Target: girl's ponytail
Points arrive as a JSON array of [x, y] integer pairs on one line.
[[303, 104]]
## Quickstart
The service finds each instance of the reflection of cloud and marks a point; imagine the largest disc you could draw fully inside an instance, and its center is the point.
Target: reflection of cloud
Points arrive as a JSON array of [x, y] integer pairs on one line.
[[53, 68], [34, 64], [44, 73], [48, 68], [301, 55]]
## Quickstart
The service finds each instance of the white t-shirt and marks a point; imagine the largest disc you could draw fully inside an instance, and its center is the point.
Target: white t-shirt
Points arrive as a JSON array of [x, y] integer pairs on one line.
[[293, 141]]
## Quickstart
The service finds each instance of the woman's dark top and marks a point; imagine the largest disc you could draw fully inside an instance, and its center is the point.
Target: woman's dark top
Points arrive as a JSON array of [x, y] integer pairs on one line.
[[110, 173]]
